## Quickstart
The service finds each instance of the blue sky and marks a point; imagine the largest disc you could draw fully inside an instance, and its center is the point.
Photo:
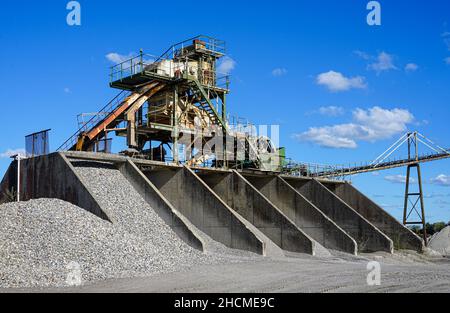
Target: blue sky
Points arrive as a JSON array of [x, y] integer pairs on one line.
[[341, 90]]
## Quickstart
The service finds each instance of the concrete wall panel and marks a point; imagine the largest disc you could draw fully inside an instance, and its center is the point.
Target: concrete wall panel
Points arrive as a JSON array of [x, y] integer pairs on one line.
[[402, 237], [368, 237], [162, 207], [303, 213], [204, 209], [246, 200], [7, 184], [52, 176]]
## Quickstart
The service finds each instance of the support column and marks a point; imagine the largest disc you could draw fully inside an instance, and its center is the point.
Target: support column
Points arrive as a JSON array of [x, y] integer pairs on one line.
[[175, 122], [417, 198], [413, 142], [225, 133]]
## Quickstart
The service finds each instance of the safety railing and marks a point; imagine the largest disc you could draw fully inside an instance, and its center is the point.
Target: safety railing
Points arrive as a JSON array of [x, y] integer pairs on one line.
[[97, 118], [166, 67], [313, 170], [200, 43], [132, 66], [37, 144], [219, 81]]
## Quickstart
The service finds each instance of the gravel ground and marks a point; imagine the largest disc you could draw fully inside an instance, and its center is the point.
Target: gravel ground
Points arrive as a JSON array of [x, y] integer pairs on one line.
[[401, 272]]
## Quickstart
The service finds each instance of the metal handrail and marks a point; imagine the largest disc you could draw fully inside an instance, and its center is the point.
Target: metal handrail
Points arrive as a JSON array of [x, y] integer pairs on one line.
[[334, 171], [69, 143], [216, 43], [211, 44]]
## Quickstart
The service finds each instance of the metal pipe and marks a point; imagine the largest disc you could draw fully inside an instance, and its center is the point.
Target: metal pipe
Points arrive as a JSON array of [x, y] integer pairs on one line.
[[18, 178]]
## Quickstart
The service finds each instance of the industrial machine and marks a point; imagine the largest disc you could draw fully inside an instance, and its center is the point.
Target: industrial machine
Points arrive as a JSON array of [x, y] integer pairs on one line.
[[176, 102]]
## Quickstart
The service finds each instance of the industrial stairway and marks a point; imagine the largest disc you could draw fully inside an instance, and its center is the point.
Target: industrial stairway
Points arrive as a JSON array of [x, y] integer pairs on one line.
[[109, 117], [206, 105]]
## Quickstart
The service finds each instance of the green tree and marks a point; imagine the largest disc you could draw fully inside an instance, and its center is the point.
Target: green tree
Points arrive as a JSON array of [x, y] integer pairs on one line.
[[437, 227], [430, 229], [416, 229]]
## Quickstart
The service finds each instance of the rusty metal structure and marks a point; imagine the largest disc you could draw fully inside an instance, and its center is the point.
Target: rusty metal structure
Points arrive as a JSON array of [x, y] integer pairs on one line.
[[175, 101]]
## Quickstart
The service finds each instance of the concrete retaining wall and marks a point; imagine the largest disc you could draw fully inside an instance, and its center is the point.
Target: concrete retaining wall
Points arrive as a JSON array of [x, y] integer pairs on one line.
[[7, 184], [204, 209], [162, 207], [402, 237], [245, 199], [52, 176], [368, 237], [303, 213]]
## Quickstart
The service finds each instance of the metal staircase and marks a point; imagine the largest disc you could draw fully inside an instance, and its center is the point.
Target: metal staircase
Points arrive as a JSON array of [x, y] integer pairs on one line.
[[206, 105], [109, 116], [70, 144]]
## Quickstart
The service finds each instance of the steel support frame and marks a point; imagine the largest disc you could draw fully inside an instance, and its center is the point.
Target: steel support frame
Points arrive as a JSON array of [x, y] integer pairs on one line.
[[417, 196]]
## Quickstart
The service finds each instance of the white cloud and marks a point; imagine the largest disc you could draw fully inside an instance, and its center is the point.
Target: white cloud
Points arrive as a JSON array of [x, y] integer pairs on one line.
[[411, 67], [279, 72], [336, 82], [118, 58], [367, 125], [363, 55], [384, 62], [226, 65], [399, 179], [446, 36], [338, 136], [11, 152], [447, 60], [383, 123], [331, 110], [442, 180]]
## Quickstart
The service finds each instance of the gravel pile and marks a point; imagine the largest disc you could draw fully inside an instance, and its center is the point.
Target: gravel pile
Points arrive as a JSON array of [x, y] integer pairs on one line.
[[125, 206], [440, 242], [50, 242]]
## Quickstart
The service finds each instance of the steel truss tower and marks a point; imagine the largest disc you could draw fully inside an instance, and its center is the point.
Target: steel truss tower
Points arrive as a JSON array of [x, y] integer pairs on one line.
[[414, 199]]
